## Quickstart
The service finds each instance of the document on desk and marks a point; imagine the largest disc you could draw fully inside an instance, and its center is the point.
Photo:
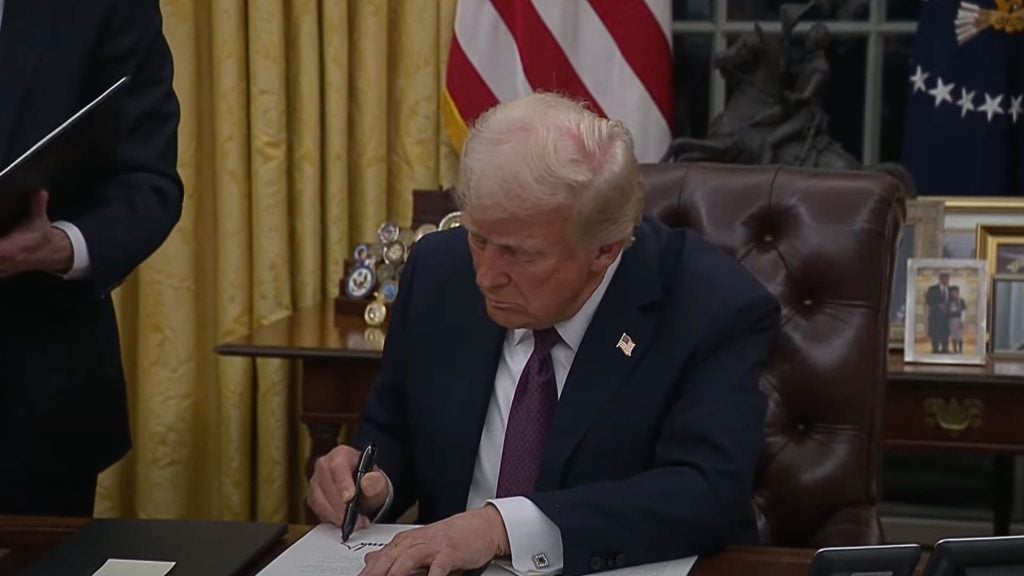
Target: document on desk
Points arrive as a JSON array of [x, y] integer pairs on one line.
[[322, 553]]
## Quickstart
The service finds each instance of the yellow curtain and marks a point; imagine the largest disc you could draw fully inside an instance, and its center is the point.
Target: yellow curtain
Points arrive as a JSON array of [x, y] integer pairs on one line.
[[305, 123]]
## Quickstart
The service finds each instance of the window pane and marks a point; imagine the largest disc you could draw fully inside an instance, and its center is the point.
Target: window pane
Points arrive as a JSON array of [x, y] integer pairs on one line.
[[691, 84], [769, 10], [903, 9], [692, 9], [896, 53], [844, 94]]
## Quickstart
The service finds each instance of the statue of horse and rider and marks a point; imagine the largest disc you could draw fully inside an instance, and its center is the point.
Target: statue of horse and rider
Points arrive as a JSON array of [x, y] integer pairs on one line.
[[775, 114]]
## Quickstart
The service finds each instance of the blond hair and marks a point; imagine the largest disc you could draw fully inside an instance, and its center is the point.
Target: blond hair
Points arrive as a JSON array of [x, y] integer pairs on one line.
[[544, 152]]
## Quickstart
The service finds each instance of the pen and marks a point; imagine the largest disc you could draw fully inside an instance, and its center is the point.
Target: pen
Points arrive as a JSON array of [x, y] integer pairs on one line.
[[352, 513]]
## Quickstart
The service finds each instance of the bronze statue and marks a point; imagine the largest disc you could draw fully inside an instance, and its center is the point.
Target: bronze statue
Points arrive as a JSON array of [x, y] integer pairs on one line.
[[768, 119]]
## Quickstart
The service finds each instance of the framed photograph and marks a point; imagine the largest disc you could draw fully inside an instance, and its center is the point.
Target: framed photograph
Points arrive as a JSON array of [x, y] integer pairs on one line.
[[921, 237], [963, 215], [1007, 324], [947, 311], [1002, 247]]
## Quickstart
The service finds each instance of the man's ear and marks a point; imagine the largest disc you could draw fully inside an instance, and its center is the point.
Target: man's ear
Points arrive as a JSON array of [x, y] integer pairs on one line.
[[606, 254]]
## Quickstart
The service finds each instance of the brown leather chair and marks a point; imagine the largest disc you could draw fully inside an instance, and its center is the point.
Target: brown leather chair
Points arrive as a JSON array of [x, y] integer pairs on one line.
[[824, 244]]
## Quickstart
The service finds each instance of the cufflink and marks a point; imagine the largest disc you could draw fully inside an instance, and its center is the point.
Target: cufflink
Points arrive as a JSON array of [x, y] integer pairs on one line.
[[540, 561]]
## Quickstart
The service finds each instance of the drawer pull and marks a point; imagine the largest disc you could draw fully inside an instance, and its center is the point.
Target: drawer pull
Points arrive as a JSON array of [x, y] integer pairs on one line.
[[954, 416]]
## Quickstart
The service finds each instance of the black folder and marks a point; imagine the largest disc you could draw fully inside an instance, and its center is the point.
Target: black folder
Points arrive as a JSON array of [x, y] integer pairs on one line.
[[197, 548], [79, 150]]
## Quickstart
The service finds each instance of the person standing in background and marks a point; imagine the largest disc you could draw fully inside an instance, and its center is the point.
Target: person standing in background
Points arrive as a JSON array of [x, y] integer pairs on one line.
[[63, 410]]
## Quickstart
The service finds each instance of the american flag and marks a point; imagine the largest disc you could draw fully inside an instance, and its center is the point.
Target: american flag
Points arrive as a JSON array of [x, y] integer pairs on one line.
[[614, 54]]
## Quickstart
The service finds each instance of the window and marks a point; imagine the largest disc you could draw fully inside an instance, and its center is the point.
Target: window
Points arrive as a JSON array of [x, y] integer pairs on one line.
[[869, 57]]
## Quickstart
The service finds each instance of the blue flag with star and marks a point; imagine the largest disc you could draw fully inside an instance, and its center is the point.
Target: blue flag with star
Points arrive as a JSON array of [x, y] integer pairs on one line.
[[964, 133]]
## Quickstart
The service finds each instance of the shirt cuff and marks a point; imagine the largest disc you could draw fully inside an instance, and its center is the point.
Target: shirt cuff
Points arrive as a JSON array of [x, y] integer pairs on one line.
[[80, 266], [534, 540]]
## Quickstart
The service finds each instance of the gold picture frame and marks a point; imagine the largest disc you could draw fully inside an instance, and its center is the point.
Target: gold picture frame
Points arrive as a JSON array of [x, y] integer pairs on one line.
[[921, 237], [1002, 247], [964, 214]]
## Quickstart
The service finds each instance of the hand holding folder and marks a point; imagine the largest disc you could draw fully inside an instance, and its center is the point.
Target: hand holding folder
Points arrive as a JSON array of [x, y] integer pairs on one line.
[[73, 155]]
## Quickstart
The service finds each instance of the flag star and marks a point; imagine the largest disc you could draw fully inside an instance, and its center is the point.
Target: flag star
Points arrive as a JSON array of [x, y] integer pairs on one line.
[[918, 80], [1015, 107], [992, 106], [966, 101], [941, 92]]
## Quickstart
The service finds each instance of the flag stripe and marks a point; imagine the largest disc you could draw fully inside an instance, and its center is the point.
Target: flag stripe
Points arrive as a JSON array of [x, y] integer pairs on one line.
[[544, 62], [639, 37], [613, 54], [489, 46], [597, 59], [472, 96]]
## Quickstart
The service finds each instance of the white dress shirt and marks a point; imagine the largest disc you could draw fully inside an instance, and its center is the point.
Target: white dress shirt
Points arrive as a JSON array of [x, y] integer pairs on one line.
[[535, 541], [80, 266]]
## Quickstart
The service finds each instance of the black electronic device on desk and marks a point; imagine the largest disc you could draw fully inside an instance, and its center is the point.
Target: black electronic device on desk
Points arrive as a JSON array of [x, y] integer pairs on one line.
[[79, 150], [992, 556], [893, 560], [197, 548]]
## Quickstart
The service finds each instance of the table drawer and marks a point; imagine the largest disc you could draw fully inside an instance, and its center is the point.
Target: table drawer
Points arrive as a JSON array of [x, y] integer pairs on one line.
[[982, 418]]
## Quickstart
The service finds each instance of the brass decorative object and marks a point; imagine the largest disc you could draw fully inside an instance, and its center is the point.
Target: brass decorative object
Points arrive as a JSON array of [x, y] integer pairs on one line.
[[954, 416]]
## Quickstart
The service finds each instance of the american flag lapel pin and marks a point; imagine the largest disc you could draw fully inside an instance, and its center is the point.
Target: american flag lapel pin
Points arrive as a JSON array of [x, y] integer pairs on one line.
[[626, 344]]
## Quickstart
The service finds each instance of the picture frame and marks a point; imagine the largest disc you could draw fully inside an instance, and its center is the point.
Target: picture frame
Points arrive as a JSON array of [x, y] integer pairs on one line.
[[921, 237], [1006, 324], [963, 215], [947, 311], [1002, 247]]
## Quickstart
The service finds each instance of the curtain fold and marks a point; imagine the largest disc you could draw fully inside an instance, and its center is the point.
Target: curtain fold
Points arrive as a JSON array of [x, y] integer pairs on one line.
[[305, 124]]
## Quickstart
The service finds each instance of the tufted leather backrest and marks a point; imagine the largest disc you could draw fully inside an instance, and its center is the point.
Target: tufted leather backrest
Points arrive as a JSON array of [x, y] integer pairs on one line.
[[824, 244]]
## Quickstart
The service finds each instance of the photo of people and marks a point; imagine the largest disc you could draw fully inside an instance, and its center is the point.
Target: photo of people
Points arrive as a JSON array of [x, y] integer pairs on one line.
[[948, 300]]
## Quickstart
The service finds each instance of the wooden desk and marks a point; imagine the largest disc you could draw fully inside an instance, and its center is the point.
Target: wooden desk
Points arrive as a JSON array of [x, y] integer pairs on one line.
[[27, 539], [929, 408]]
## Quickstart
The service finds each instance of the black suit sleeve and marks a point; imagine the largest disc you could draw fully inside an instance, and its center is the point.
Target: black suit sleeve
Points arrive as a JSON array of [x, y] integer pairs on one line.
[[132, 210], [702, 475], [383, 420]]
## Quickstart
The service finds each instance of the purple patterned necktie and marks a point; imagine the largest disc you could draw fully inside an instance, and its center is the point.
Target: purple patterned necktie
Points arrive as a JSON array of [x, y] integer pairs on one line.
[[532, 408]]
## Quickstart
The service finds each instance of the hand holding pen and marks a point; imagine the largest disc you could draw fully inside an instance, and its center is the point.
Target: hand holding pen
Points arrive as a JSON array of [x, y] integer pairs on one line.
[[333, 486], [366, 461]]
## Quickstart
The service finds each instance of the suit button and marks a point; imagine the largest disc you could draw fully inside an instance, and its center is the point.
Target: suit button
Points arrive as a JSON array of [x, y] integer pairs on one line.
[[620, 560], [596, 563]]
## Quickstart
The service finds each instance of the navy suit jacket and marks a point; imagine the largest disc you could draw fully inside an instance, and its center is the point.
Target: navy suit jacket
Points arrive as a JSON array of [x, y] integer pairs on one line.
[[63, 411], [648, 457]]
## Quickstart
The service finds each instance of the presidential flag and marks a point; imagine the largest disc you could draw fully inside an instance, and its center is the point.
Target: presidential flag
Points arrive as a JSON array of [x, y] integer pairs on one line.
[[965, 118], [614, 54]]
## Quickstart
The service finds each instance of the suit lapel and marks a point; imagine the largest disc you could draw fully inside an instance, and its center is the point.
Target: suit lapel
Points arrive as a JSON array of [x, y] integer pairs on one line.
[[600, 367], [477, 343], [24, 28]]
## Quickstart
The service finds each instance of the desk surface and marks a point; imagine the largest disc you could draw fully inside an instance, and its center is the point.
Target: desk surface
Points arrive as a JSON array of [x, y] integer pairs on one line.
[[26, 538]]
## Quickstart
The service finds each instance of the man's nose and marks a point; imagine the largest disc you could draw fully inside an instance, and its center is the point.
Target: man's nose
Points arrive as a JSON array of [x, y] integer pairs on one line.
[[490, 270]]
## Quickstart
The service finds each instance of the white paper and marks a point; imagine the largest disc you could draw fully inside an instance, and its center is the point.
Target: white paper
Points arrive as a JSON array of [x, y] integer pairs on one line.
[[115, 567], [321, 553]]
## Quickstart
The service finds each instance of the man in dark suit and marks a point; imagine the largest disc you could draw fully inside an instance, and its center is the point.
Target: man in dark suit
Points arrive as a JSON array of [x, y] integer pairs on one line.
[[937, 300], [63, 411], [564, 386]]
